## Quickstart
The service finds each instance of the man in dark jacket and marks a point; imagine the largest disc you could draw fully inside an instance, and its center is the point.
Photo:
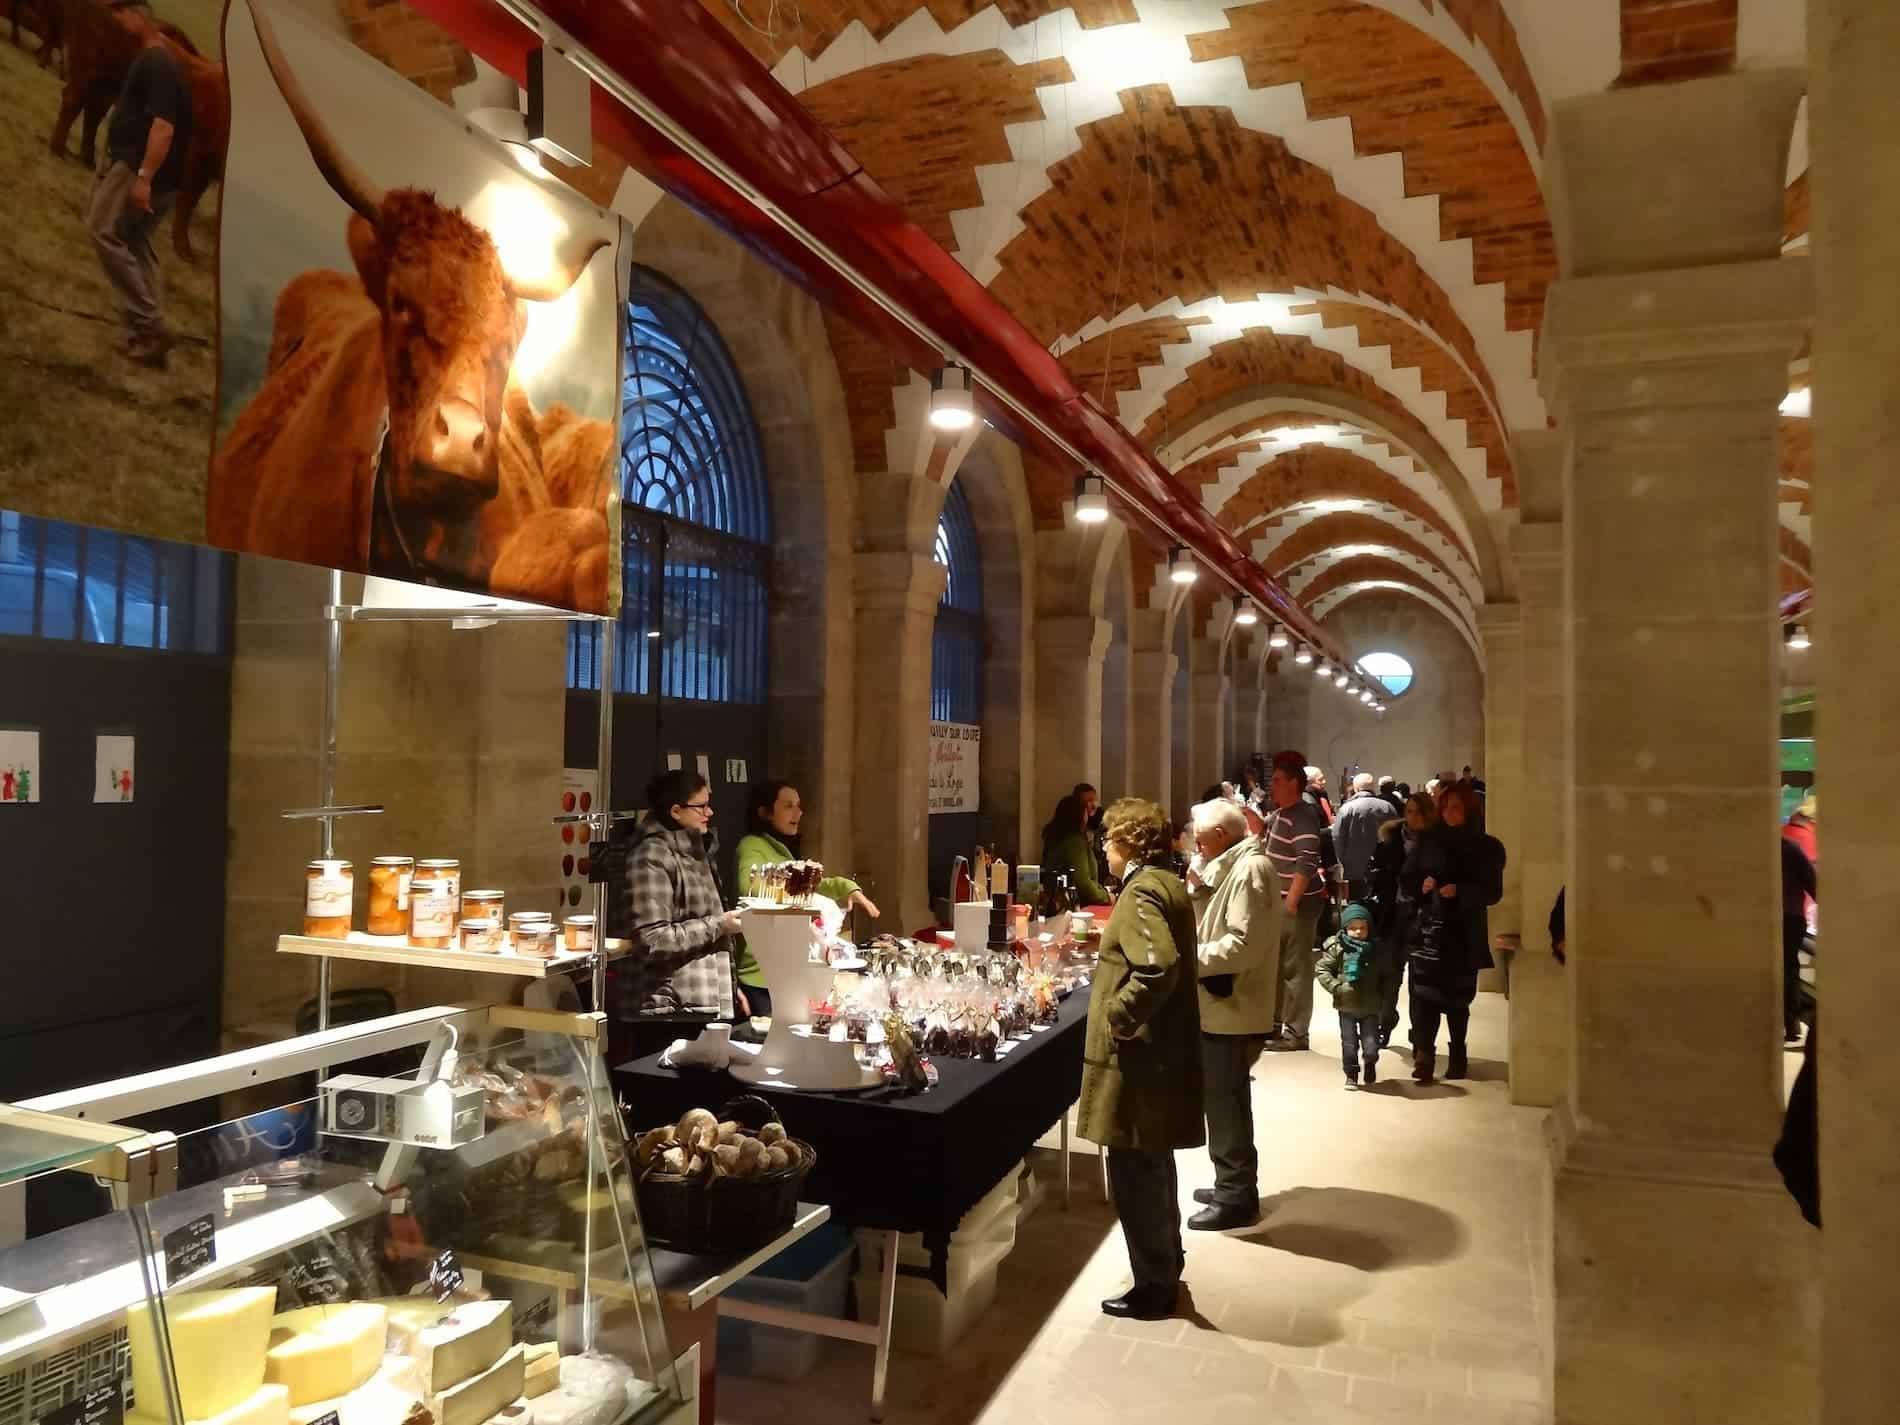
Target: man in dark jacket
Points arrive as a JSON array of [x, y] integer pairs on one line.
[[1356, 833], [146, 145]]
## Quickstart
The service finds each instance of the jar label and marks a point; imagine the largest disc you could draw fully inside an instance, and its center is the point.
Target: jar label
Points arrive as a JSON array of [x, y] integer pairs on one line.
[[434, 914], [403, 880], [326, 897]]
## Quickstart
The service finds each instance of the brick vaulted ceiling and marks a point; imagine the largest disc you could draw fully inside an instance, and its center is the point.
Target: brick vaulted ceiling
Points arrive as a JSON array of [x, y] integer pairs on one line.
[[1335, 204]]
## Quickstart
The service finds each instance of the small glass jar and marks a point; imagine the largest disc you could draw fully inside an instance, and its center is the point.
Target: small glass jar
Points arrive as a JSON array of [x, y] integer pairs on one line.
[[389, 881], [329, 894], [450, 871], [484, 905], [579, 932], [535, 938], [480, 935], [431, 912], [522, 918]]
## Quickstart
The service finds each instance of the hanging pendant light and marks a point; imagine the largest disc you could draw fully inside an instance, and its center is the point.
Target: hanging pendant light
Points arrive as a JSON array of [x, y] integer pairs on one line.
[[1091, 499], [1245, 614], [1343, 679], [1278, 638], [1304, 656], [1323, 670], [1181, 566], [1798, 638], [952, 403]]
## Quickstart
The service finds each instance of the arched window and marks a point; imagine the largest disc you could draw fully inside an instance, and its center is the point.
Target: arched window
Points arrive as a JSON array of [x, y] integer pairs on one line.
[[1389, 670], [696, 527], [956, 650], [83, 585]]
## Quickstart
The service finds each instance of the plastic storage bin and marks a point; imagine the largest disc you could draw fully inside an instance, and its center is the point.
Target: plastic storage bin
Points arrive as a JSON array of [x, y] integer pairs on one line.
[[812, 1275]]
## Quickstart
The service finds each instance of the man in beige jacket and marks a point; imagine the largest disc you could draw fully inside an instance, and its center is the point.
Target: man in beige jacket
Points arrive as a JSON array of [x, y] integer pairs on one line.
[[1237, 905]]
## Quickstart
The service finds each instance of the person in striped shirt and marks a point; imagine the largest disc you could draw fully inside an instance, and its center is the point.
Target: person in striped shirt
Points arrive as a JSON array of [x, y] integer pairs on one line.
[[1293, 845]]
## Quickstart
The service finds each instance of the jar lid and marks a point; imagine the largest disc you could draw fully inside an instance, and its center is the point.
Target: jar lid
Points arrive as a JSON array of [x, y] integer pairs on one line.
[[579, 920], [393, 861], [441, 864], [524, 916], [480, 924], [329, 866], [482, 895]]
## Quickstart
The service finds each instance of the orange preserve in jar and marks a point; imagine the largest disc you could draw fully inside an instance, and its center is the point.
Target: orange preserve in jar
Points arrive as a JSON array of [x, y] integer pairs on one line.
[[536, 938], [389, 881], [482, 936], [579, 931], [329, 890], [449, 871], [483, 905], [431, 913]]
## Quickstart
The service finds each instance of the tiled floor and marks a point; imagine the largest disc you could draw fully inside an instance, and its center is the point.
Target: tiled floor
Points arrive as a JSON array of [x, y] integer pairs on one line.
[[1392, 1279]]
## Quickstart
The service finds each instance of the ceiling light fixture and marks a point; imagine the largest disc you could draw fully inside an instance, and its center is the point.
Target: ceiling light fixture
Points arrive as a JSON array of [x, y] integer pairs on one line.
[[1181, 566], [1278, 638], [511, 128], [1323, 669], [1365, 696], [1304, 656], [1245, 614], [952, 403], [1798, 638], [1343, 679], [1091, 499]]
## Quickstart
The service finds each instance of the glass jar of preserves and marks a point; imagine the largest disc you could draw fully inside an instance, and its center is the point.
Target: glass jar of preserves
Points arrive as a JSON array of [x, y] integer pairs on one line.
[[329, 894], [431, 912], [480, 935], [389, 882], [484, 905], [536, 938], [579, 932], [450, 871], [525, 918]]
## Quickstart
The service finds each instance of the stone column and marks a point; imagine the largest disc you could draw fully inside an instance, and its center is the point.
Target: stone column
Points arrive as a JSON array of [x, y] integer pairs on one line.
[[1503, 774], [1289, 715], [1856, 178], [1540, 998], [896, 596], [1068, 654], [1152, 669], [1207, 697], [1245, 707], [1666, 346]]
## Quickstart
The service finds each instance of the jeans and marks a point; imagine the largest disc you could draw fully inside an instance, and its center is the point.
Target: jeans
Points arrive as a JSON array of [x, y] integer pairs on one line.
[[122, 236], [1148, 1202], [1358, 1039], [1227, 1091], [1297, 944]]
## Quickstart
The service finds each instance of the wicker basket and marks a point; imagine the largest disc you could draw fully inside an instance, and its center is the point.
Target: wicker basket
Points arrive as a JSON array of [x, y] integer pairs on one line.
[[692, 1214]]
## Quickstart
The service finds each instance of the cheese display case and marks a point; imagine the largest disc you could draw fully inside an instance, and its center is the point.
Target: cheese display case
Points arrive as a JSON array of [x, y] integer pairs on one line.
[[449, 1242]]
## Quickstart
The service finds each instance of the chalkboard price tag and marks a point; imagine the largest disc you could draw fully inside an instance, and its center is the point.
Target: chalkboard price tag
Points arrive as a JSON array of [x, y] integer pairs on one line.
[[333, 1418], [537, 1315], [104, 1406], [318, 1282], [190, 1248], [445, 1275]]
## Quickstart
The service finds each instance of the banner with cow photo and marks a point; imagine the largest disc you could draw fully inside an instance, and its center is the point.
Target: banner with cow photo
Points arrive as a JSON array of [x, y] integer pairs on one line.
[[383, 345]]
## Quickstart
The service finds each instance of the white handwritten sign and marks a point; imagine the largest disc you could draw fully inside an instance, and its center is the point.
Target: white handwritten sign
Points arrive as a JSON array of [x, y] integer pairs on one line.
[[953, 766]]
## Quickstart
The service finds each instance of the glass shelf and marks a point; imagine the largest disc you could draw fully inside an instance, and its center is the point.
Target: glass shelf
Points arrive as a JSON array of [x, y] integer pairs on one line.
[[33, 1143]]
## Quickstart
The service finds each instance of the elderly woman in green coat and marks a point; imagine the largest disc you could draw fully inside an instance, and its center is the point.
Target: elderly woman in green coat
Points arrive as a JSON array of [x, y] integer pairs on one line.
[[1141, 1066]]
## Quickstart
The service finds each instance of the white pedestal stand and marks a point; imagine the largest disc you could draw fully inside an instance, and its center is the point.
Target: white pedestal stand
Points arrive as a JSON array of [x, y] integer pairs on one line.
[[780, 938]]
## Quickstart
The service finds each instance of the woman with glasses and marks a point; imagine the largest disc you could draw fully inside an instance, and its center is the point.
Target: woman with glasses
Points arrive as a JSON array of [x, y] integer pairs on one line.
[[682, 933]]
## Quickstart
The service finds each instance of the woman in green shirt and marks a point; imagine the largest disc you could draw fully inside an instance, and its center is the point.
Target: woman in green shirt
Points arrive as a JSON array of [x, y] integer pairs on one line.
[[771, 837], [1068, 850]]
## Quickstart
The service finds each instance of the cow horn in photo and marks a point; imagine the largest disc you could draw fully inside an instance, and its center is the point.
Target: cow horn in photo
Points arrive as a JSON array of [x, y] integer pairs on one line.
[[346, 180], [554, 285]]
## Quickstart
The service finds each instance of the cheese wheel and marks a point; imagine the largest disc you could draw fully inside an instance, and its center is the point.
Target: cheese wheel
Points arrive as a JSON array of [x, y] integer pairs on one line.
[[544, 1370], [267, 1405], [325, 1351], [218, 1340]]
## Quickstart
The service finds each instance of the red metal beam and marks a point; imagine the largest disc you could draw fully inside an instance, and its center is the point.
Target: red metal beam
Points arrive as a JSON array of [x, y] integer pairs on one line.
[[679, 59]]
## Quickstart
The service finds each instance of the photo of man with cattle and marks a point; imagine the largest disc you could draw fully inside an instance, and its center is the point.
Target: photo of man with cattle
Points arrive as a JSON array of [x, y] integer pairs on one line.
[[386, 347]]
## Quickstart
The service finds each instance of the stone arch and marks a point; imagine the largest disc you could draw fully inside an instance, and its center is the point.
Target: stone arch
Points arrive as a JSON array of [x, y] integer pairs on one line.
[[1439, 720], [776, 336]]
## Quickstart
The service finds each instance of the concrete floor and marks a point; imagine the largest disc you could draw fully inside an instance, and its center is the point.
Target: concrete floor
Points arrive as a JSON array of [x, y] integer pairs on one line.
[[1392, 1278]]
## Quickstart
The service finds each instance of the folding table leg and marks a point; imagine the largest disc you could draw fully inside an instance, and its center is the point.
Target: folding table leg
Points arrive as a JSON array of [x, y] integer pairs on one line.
[[1065, 1160], [887, 1307]]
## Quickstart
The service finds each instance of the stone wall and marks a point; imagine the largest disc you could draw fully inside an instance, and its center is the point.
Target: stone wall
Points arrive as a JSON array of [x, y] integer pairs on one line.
[[1435, 725]]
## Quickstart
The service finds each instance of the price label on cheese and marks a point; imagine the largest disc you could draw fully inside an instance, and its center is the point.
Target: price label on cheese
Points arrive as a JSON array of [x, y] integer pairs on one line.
[[330, 1418], [190, 1248], [104, 1406], [445, 1275]]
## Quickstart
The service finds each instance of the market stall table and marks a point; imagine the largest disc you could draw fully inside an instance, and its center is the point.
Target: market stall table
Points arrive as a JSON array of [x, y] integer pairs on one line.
[[938, 1153]]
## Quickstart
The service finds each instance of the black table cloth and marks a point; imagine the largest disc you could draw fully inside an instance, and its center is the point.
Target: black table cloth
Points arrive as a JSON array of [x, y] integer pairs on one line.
[[900, 1163]]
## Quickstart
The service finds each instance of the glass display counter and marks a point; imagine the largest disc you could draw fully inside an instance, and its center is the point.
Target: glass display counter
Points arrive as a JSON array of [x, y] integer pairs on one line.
[[432, 1225]]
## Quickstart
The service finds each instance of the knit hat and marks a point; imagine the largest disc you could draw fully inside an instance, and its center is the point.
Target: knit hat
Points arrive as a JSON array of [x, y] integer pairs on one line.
[[1353, 912]]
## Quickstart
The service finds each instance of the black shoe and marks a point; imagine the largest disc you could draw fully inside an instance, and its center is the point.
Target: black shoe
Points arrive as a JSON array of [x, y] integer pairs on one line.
[[1144, 1303], [1223, 1217], [1372, 1072], [1422, 1063], [1203, 1196], [1455, 1065]]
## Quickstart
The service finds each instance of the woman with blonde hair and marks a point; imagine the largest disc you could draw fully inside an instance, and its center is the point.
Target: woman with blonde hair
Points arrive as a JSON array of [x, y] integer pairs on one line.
[[1141, 1064]]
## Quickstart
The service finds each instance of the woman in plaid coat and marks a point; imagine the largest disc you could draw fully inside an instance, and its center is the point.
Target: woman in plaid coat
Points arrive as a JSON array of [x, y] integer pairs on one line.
[[682, 932]]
